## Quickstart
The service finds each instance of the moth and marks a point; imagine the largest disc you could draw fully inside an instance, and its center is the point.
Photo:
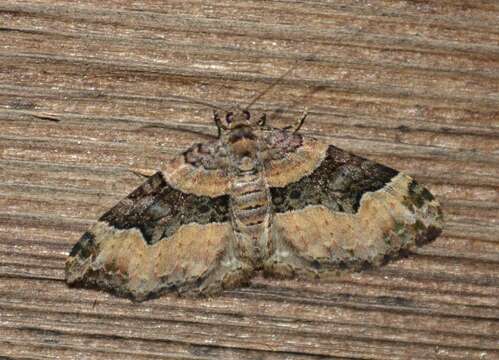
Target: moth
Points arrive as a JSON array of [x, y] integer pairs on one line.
[[255, 199]]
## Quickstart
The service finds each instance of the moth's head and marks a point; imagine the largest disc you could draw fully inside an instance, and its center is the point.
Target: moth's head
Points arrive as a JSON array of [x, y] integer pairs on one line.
[[238, 118], [239, 129]]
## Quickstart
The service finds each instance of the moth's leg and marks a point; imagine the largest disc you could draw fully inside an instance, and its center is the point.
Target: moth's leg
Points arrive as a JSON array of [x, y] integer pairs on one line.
[[298, 124]]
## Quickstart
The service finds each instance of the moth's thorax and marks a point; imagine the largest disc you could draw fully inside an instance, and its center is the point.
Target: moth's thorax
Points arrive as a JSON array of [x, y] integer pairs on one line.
[[242, 147]]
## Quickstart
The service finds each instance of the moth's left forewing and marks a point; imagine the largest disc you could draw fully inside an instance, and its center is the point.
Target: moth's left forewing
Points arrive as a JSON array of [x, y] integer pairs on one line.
[[344, 211], [171, 233]]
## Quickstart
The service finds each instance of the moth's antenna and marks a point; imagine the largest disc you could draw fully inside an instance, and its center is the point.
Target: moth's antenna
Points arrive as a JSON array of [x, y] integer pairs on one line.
[[177, 128], [200, 102], [183, 129], [274, 83]]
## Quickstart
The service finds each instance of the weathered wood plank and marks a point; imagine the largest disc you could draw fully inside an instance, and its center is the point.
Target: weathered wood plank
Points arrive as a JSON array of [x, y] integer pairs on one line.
[[412, 84]]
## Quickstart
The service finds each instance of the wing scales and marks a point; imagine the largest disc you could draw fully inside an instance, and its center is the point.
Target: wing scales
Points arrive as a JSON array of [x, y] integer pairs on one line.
[[161, 237], [350, 212]]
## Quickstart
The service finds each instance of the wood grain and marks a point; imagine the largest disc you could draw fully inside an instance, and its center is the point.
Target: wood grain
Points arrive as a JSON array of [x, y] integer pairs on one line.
[[412, 84]]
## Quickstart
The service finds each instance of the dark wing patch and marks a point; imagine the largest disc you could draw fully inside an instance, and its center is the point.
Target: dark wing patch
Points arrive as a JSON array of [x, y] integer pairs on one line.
[[157, 239], [338, 183], [158, 210], [85, 247]]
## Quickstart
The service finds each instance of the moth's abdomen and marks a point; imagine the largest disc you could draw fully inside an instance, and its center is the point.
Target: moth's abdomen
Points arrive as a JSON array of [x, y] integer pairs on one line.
[[250, 200], [250, 207]]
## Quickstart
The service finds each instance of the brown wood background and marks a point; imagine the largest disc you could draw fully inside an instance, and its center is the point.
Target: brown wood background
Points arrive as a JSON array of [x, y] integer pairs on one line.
[[412, 84]]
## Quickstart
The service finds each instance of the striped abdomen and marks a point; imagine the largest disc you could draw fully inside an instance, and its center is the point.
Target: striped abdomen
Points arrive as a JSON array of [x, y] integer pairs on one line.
[[250, 206]]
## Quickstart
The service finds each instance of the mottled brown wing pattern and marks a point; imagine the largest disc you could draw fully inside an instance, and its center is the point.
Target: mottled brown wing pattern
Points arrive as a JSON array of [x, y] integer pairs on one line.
[[159, 237], [348, 213], [257, 198], [158, 210]]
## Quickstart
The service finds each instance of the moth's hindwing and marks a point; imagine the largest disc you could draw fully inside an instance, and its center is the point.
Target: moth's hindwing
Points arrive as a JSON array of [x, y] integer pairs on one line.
[[157, 239], [348, 213]]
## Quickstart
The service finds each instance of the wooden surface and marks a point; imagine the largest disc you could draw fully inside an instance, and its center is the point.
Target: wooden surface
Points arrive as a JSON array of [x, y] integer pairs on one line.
[[412, 84]]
